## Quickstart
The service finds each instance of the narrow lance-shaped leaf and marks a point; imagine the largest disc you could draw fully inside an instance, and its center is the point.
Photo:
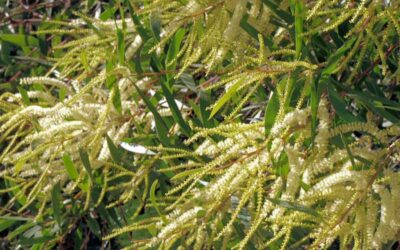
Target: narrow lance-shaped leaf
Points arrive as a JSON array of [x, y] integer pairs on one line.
[[15, 218], [298, 26], [162, 128], [86, 162], [232, 90], [349, 153], [116, 99], [339, 105], [24, 95], [185, 173], [155, 22], [144, 34], [271, 110], [278, 12], [5, 224], [314, 101], [94, 226], [70, 167], [56, 202], [121, 45], [153, 199], [176, 113], [253, 32], [20, 40], [173, 48], [294, 206], [334, 59], [109, 12], [115, 153]]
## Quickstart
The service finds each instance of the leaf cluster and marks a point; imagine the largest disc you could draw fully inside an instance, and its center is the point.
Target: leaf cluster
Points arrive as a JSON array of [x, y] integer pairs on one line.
[[199, 124]]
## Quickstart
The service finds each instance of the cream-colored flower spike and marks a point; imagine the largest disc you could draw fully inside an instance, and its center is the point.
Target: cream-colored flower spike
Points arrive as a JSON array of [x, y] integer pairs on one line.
[[69, 114], [254, 178]]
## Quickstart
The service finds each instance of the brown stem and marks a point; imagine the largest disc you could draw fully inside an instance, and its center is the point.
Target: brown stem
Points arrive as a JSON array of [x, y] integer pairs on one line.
[[377, 61]]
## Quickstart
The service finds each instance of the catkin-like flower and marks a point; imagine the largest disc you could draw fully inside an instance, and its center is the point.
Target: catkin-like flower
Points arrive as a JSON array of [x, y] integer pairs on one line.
[[292, 119], [46, 81], [180, 221]]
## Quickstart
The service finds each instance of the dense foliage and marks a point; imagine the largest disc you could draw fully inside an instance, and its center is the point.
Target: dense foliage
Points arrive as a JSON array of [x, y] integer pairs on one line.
[[200, 124]]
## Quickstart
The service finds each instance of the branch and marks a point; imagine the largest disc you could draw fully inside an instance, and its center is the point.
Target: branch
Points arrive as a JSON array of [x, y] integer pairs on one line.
[[376, 62]]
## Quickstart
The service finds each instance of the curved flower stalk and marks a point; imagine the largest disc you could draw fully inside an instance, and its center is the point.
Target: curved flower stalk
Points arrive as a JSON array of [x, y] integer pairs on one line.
[[246, 180]]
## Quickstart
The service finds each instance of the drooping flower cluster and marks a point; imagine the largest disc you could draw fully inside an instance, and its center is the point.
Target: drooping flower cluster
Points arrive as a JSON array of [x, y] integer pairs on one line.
[[231, 185], [341, 190], [64, 114]]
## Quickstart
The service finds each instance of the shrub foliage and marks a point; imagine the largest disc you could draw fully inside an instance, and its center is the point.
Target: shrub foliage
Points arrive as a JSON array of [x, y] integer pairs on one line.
[[199, 124]]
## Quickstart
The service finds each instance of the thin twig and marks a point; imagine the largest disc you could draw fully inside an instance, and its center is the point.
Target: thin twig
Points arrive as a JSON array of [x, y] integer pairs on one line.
[[377, 61]]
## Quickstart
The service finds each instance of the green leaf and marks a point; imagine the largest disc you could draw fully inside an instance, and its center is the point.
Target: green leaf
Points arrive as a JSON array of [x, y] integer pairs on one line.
[[145, 56], [351, 156], [155, 22], [376, 100], [228, 95], [143, 32], [6, 86], [116, 99], [317, 86], [281, 166], [70, 167], [62, 94], [173, 49], [90, 3], [84, 61], [15, 218], [305, 186], [278, 12], [5, 224], [56, 202], [152, 230], [271, 110], [298, 26], [36, 240], [121, 45], [161, 126], [294, 206], [19, 230], [18, 166], [334, 59], [176, 114], [111, 79], [24, 95], [20, 40], [86, 162], [94, 226], [109, 12], [201, 213], [188, 81], [253, 32], [339, 105], [115, 153], [374, 105], [153, 199], [16, 191], [90, 24], [185, 173]]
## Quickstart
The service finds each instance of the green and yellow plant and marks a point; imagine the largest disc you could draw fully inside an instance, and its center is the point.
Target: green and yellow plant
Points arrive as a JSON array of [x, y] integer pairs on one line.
[[197, 124]]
